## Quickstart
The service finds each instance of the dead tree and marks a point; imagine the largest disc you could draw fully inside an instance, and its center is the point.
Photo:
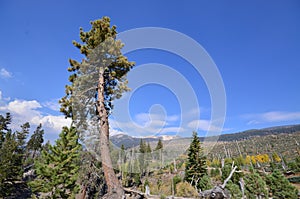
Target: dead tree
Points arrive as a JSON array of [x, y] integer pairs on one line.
[[242, 185], [219, 191], [238, 148]]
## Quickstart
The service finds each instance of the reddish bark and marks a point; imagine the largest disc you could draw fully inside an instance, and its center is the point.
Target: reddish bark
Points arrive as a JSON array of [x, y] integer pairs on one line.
[[115, 189]]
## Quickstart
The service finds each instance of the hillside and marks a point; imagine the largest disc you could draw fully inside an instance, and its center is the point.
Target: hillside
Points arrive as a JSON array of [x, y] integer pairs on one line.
[[284, 144], [260, 132], [129, 141], [251, 142], [169, 164]]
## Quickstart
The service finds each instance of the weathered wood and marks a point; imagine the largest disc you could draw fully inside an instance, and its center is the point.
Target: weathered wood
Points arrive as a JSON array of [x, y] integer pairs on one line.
[[228, 178], [242, 185], [134, 194], [218, 192]]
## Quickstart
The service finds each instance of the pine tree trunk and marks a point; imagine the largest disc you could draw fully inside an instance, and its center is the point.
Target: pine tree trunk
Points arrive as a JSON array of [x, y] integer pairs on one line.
[[115, 190]]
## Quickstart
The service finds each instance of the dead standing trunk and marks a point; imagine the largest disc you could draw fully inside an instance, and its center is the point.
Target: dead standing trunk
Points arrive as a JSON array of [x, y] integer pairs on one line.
[[115, 190]]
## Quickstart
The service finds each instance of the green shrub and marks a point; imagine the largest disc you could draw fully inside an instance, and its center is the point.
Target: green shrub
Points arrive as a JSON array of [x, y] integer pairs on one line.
[[204, 183], [162, 196], [184, 189], [176, 180], [280, 187], [255, 186], [214, 172], [234, 190]]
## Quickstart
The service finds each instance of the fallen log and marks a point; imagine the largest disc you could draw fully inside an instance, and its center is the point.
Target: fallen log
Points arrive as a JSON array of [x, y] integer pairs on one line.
[[134, 194]]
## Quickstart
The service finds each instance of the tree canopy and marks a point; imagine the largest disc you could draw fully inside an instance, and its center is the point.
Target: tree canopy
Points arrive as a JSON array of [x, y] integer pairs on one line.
[[103, 57], [95, 82]]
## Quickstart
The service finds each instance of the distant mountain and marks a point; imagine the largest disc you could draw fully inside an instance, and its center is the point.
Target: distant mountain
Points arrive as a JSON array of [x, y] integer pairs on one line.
[[129, 141], [260, 132]]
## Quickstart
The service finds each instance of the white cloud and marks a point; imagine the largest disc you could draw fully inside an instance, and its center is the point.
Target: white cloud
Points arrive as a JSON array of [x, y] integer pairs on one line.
[[25, 108], [153, 127], [5, 74], [281, 116], [31, 111], [204, 125], [0, 95], [196, 112], [143, 118], [251, 122], [155, 123], [146, 119], [272, 116], [199, 125], [52, 104], [172, 130], [149, 124], [172, 118], [54, 122]]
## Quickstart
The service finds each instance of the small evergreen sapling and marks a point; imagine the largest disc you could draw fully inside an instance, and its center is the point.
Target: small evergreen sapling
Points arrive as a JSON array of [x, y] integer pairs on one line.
[[57, 168]]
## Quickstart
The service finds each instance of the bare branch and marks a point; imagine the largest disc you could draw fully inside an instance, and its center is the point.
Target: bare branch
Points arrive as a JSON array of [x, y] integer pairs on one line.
[[228, 178]]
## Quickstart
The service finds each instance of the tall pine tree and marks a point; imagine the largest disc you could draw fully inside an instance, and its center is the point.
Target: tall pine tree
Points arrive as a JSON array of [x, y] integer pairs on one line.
[[158, 152], [12, 151], [159, 145], [35, 142], [57, 168], [196, 167], [9, 164], [142, 162], [21, 137], [95, 83], [4, 123]]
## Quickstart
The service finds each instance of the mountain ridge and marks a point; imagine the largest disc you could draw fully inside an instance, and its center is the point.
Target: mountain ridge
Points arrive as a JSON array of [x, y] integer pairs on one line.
[[130, 141]]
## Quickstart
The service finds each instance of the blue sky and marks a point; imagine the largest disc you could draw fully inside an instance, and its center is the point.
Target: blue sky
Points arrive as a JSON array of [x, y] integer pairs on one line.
[[255, 46]]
